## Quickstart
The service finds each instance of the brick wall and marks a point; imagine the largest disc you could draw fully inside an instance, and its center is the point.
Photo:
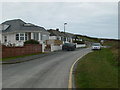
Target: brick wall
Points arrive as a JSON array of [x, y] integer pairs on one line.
[[18, 51]]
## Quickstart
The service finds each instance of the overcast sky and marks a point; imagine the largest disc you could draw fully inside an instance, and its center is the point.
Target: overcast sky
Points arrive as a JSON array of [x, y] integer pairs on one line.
[[97, 19]]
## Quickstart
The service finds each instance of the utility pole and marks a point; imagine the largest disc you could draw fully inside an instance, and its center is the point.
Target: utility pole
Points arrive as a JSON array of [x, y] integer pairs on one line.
[[64, 31]]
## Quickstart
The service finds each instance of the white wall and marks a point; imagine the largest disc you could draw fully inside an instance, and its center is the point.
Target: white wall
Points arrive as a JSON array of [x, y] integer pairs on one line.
[[52, 37], [11, 38], [80, 45], [55, 47]]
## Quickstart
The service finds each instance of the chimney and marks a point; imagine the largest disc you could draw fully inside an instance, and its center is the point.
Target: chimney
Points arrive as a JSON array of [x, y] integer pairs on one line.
[[57, 29]]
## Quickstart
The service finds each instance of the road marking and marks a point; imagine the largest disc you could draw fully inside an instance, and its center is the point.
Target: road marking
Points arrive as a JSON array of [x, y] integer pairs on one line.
[[70, 75], [70, 84]]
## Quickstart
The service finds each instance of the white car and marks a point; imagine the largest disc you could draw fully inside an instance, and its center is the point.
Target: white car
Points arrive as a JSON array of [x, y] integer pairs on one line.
[[96, 46]]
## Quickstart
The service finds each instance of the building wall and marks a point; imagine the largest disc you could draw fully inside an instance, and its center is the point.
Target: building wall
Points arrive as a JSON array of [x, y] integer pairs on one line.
[[18, 51], [11, 38], [52, 37], [44, 37], [56, 38]]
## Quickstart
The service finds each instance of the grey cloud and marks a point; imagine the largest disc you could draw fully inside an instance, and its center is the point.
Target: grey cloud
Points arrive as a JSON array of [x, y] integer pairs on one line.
[[83, 18]]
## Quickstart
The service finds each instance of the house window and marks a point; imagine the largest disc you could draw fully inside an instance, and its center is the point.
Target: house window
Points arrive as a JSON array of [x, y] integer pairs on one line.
[[17, 36], [21, 36], [5, 38], [36, 36], [62, 38], [65, 39], [57, 38], [45, 37], [25, 36]]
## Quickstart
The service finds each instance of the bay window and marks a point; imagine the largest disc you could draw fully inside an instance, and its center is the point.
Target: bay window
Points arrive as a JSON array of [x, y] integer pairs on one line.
[[21, 36]]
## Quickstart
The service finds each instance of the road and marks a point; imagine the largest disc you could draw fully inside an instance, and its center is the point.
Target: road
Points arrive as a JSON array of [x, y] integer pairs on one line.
[[51, 71]]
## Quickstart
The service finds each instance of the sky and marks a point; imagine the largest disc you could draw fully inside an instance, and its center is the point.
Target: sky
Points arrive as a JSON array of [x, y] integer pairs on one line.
[[96, 19]]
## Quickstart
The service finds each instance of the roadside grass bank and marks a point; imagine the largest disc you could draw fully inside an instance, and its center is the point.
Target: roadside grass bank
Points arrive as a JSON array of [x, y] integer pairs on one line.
[[98, 69], [22, 56]]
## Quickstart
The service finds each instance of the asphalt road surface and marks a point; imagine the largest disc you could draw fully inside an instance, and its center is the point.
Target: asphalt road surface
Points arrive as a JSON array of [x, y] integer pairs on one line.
[[51, 71]]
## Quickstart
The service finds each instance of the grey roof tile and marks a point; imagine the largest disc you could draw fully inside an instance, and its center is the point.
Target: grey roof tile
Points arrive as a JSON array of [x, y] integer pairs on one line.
[[19, 25]]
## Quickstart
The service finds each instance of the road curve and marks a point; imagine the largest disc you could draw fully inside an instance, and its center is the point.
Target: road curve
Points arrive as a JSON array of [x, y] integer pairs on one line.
[[51, 71]]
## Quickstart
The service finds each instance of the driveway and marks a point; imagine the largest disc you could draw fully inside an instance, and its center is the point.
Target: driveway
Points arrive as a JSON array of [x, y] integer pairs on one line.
[[51, 71]]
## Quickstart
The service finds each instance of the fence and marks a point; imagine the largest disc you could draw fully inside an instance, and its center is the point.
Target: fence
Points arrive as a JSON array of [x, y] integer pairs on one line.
[[18, 51]]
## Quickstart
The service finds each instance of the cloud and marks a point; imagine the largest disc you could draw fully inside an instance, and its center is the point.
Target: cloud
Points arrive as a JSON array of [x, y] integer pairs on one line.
[[82, 17]]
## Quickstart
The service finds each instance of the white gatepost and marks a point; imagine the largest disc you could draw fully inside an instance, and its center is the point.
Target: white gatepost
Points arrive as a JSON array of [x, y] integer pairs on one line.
[[52, 47], [43, 47]]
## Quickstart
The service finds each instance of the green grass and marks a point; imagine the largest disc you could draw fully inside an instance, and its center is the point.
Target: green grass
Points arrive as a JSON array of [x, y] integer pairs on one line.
[[97, 69], [22, 56]]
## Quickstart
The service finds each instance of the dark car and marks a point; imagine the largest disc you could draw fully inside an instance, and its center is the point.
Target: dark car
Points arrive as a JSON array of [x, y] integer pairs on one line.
[[68, 46]]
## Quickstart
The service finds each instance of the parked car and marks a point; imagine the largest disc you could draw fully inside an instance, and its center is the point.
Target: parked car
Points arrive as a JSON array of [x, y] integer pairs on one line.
[[68, 46], [96, 46]]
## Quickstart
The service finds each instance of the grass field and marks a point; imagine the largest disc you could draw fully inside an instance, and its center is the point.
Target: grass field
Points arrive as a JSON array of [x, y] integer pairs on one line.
[[98, 69]]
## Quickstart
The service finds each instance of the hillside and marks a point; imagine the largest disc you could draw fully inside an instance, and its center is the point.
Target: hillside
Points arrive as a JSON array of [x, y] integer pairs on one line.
[[94, 39]]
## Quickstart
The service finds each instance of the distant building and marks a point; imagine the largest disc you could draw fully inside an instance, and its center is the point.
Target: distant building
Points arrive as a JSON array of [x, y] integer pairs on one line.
[[69, 36], [57, 35]]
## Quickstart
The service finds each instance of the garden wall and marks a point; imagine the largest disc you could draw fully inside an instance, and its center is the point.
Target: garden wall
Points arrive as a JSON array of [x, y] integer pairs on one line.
[[18, 51]]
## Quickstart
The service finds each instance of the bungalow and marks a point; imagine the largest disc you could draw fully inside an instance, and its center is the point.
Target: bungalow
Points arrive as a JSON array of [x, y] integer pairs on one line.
[[56, 39], [69, 37], [57, 35], [16, 32]]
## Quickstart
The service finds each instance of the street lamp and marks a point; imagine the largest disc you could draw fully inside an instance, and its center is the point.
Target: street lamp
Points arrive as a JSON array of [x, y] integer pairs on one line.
[[64, 31]]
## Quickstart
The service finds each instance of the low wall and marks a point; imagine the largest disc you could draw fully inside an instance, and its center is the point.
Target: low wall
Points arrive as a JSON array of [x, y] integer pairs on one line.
[[18, 51], [80, 45], [56, 47]]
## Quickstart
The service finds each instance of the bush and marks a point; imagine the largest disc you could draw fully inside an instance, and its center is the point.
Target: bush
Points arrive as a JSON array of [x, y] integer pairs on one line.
[[31, 42]]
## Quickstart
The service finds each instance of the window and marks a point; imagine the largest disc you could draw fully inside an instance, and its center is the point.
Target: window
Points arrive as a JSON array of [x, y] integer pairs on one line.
[[65, 39], [21, 36], [17, 36], [57, 38], [25, 36], [62, 38], [5, 38], [36, 36], [45, 37]]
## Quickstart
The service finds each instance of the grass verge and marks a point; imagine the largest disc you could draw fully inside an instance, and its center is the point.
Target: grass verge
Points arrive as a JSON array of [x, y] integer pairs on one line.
[[22, 56], [97, 69]]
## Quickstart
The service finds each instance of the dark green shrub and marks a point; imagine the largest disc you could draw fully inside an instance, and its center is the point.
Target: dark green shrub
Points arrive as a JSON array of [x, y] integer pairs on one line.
[[31, 42]]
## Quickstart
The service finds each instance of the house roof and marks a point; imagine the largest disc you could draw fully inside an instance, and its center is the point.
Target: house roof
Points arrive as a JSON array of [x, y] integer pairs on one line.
[[55, 32], [17, 25], [58, 33], [68, 34]]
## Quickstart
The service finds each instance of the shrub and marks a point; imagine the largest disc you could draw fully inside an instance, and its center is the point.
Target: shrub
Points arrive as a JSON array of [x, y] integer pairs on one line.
[[31, 42]]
